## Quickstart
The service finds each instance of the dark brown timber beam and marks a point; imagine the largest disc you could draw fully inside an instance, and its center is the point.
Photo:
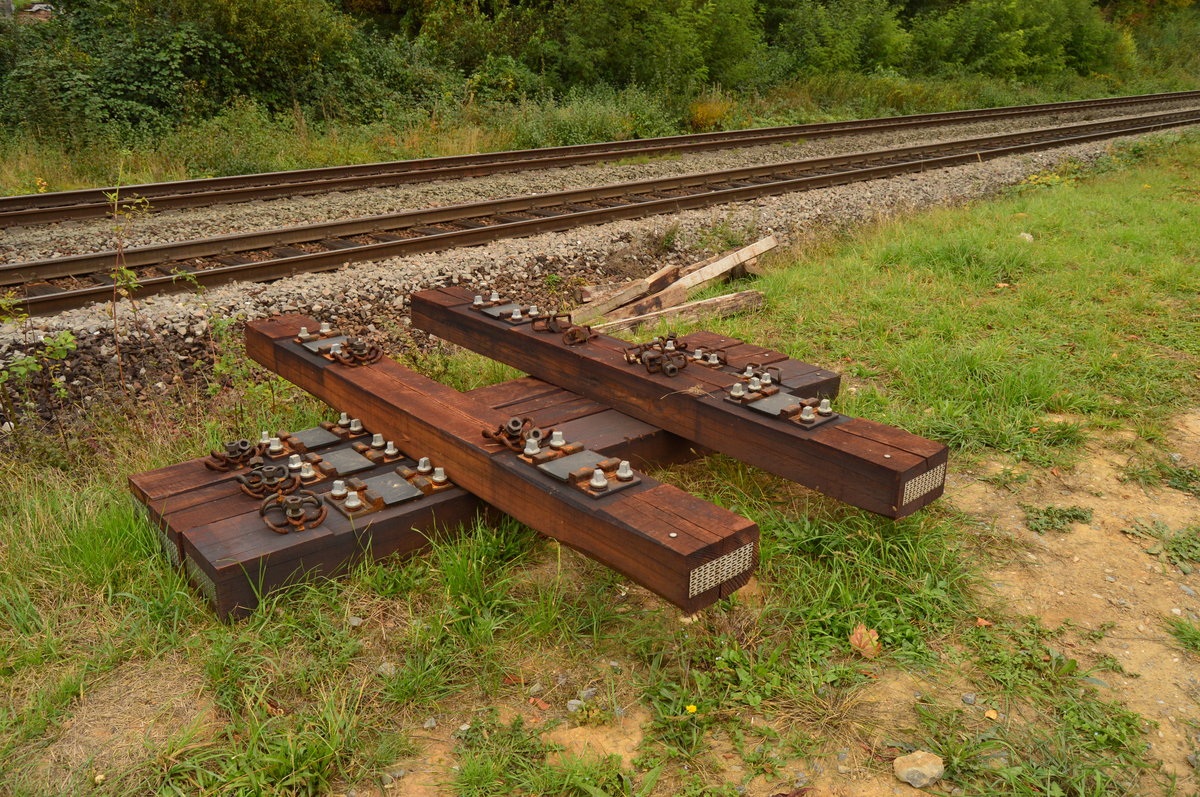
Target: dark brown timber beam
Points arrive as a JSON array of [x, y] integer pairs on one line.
[[866, 464]]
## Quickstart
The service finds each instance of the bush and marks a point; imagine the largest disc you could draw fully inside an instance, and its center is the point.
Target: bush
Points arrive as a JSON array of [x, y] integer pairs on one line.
[[1011, 38], [596, 115], [841, 35]]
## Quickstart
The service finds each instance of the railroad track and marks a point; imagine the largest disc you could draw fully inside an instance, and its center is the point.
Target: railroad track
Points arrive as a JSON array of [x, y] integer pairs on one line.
[[29, 209], [49, 286]]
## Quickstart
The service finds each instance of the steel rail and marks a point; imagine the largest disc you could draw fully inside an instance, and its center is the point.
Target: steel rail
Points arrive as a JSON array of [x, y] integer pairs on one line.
[[634, 200], [28, 209]]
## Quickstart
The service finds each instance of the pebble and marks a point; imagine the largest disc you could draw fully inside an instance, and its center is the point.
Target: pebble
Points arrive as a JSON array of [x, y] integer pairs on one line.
[[429, 724], [355, 622], [969, 698], [919, 769], [574, 705], [589, 693], [387, 669], [1191, 593]]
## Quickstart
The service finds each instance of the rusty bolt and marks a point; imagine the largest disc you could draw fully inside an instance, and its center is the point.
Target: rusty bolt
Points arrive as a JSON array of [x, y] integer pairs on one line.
[[825, 408], [356, 425], [353, 501], [377, 440], [738, 390], [698, 354], [390, 450], [478, 301], [276, 446], [557, 440], [755, 384], [624, 472], [439, 475], [531, 447], [495, 297], [306, 471], [807, 414], [598, 481], [424, 465], [294, 462], [325, 328], [344, 421], [339, 489]]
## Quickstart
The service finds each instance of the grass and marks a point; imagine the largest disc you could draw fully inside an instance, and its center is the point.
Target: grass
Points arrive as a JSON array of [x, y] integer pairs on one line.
[[1098, 315], [245, 138], [1187, 632]]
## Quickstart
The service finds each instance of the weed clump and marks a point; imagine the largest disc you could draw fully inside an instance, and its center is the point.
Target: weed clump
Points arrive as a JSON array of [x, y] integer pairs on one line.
[[1054, 518]]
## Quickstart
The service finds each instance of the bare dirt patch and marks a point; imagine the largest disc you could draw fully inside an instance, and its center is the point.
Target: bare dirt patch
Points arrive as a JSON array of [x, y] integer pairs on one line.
[[120, 721], [1101, 579]]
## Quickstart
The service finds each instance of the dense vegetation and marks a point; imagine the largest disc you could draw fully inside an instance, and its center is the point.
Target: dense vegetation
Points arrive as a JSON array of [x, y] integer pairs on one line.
[[124, 73]]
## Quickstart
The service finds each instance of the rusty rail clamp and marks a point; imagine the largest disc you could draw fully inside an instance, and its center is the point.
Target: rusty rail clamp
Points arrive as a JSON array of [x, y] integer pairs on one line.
[[667, 356], [237, 454], [354, 352], [296, 512], [266, 479]]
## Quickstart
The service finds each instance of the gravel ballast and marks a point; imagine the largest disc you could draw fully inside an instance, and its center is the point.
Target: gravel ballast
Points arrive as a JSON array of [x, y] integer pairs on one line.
[[94, 235], [171, 336]]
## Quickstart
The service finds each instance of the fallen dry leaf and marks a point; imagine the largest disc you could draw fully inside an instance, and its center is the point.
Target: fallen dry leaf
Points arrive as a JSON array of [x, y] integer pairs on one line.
[[541, 705], [992, 714], [865, 641], [982, 623]]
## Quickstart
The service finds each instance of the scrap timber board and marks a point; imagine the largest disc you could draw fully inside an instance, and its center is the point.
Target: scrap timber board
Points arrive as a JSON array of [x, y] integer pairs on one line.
[[867, 464], [687, 550], [207, 523]]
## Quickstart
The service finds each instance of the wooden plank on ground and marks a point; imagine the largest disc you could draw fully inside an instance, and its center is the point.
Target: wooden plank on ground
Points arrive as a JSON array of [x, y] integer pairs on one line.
[[716, 307], [692, 565], [694, 279], [869, 465]]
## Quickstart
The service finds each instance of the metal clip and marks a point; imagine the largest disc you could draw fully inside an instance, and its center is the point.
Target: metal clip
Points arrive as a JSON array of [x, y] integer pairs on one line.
[[284, 513], [356, 351], [237, 454], [266, 479]]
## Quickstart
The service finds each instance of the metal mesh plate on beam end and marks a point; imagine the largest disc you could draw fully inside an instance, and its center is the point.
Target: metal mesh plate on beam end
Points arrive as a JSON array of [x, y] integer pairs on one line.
[[720, 570], [924, 484], [169, 548], [201, 579]]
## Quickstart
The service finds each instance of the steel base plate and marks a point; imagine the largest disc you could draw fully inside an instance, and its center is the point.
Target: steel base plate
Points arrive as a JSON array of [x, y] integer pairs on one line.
[[345, 461], [392, 488], [314, 438]]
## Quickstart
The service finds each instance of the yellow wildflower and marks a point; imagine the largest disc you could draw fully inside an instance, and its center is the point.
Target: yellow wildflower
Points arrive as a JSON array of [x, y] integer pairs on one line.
[[690, 709]]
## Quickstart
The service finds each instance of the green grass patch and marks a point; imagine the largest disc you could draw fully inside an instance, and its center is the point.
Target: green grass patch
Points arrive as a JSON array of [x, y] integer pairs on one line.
[[1187, 632]]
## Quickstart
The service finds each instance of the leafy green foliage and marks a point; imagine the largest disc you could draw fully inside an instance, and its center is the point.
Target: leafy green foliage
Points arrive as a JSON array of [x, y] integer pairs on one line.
[[129, 71]]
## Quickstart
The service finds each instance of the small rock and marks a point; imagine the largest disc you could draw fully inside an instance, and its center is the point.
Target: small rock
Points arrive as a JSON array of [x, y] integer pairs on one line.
[[1191, 593], [1194, 760], [919, 769], [536, 688], [574, 705], [396, 774], [429, 724], [589, 693], [387, 669], [969, 698], [355, 622], [1026, 237]]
